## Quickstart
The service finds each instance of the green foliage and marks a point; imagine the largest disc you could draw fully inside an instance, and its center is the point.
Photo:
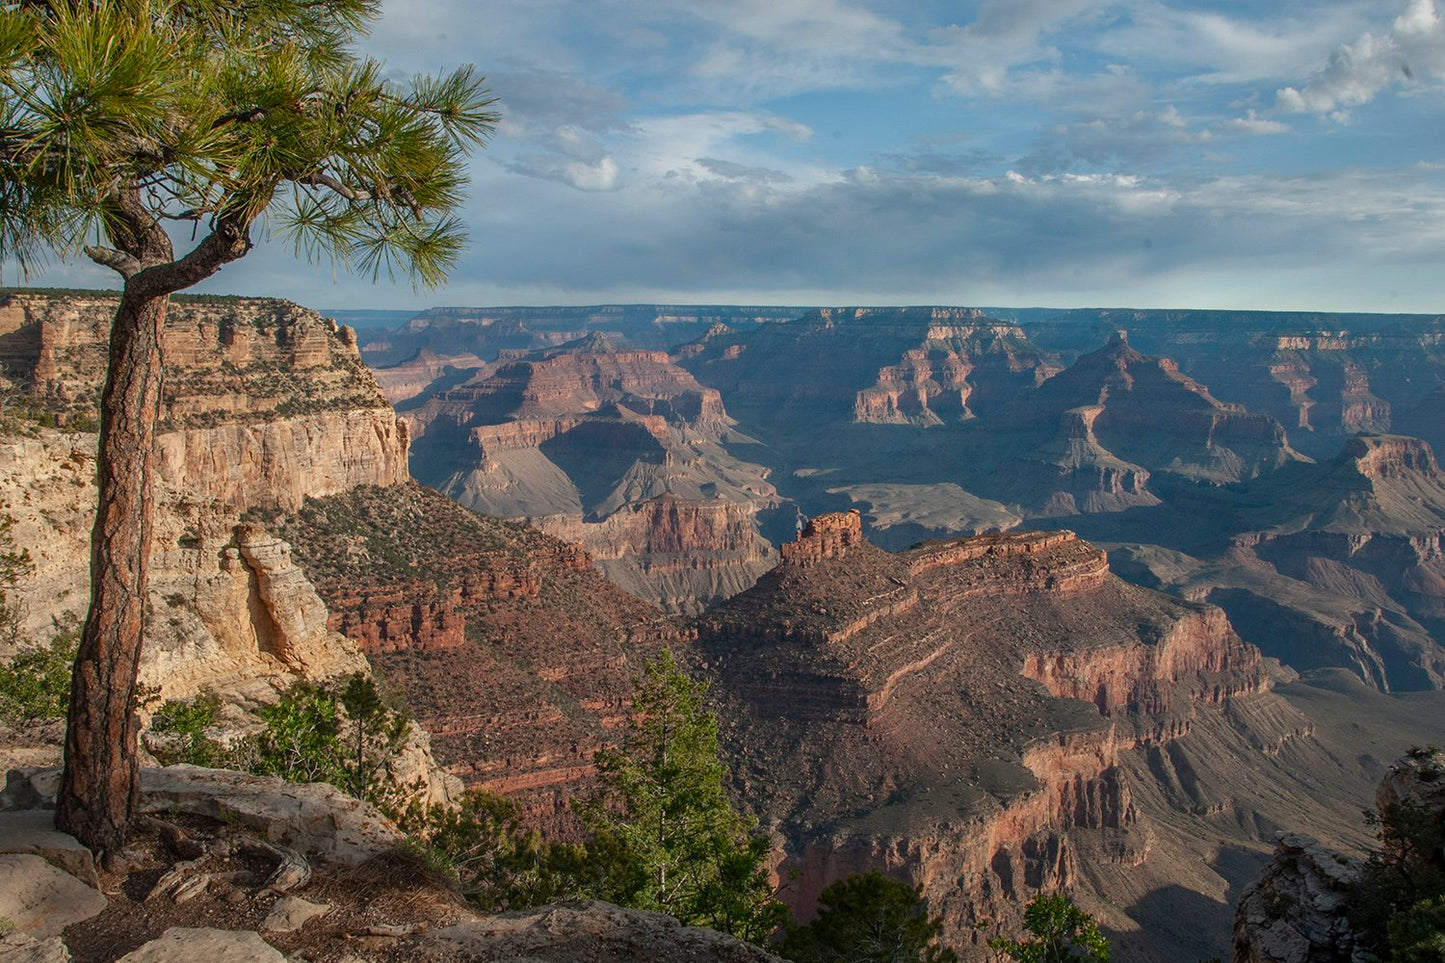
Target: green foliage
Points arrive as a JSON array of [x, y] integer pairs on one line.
[[665, 836], [302, 738], [344, 737], [499, 864], [15, 564], [867, 918], [36, 683], [1058, 931], [1417, 934], [1401, 891], [182, 725], [119, 113]]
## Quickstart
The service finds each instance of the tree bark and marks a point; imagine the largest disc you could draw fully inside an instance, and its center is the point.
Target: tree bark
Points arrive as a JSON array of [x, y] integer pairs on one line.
[[100, 789]]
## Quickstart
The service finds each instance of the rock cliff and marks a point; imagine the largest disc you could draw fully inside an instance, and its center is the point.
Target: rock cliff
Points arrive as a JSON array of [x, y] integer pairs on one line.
[[959, 714], [619, 450], [1323, 376], [264, 401], [512, 650]]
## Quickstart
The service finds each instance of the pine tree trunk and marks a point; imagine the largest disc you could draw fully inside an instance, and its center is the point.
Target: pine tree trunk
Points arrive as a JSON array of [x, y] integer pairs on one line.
[[100, 789]]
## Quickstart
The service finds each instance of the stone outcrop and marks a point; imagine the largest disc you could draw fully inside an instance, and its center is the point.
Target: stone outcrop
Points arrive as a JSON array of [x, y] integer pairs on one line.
[[449, 605], [958, 715], [617, 450], [264, 401], [1298, 911], [1295, 913]]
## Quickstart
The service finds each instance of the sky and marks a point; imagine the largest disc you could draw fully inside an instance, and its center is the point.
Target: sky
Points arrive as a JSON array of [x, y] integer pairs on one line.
[[1261, 154]]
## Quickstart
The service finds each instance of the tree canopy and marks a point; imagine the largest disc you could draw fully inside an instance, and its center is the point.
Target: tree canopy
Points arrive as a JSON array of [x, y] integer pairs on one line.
[[122, 115], [867, 918], [127, 125], [663, 824]]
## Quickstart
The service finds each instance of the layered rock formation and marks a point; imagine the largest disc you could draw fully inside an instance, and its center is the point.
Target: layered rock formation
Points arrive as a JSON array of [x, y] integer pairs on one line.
[[621, 451], [1323, 376], [1334, 564], [918, 366], [486, 332], [512, 651], [958, 714], [263, 403]]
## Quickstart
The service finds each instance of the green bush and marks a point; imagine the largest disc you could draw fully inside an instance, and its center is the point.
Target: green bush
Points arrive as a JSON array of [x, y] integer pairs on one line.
[[499, 864], [1058, 932], [36, 683], [182, 726], [867, 918]]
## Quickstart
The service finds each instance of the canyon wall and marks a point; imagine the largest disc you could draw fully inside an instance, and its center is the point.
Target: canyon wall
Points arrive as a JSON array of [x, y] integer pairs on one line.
[[618, 450]]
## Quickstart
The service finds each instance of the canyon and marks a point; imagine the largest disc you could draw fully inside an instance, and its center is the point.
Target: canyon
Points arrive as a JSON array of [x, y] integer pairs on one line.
[[1060, 688], [618, 450]]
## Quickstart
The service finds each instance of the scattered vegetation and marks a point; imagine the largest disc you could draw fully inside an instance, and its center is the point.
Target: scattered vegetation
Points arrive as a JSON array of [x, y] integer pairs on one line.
[[867, 918], [345, 735], [1398, 904], [1057, 932], [35, 685], [673, 842], [498, 863]]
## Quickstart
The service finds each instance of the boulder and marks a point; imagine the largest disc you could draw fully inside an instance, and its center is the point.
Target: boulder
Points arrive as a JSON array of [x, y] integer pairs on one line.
[[41, 900], [184, 944], [291, 913], [23, 948], [33, 832]]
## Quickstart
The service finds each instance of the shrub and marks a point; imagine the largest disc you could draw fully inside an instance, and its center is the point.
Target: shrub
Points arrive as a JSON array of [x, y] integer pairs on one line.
[[36, 683], [1058, 931], [867, 918]]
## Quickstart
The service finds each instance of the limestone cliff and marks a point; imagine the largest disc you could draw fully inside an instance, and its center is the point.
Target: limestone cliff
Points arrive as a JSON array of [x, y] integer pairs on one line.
[[618, 450], [264, 401]]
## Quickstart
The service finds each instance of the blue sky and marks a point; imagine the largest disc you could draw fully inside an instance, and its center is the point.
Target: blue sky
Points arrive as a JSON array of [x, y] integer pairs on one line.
[[1234, 154]]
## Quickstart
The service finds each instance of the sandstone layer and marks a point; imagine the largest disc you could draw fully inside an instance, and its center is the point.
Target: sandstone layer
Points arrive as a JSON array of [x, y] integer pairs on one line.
[[511, 649], [957, 714], [263, 402], [619, 450]]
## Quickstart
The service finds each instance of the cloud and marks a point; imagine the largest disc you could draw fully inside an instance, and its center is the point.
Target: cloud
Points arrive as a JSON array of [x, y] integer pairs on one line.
[[741, 172], [1412, 52], [1251, 125]]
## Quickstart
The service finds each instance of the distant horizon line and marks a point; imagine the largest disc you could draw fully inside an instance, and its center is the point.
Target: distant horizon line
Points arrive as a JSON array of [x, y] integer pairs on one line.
[[9, 289]]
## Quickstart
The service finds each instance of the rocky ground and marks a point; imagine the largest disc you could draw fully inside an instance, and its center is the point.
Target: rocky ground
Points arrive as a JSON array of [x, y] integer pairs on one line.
[[227, 867]]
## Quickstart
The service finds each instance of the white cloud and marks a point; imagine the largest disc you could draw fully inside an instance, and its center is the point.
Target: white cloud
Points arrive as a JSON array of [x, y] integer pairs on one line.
[[1251, 125], [1413, 51]]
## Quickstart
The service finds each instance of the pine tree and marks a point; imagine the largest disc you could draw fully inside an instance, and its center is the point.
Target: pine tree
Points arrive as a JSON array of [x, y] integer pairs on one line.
[[867, 918], [671, 839], [121, 119]]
